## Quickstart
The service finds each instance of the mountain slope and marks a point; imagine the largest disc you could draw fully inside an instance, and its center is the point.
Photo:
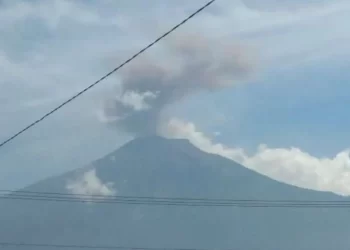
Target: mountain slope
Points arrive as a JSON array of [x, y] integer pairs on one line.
[[154, 166]]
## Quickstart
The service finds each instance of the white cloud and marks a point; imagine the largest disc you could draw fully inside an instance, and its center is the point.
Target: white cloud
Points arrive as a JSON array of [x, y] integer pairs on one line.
[[289, 165], [90, 184], [56, 12], [137, 101], [287, 39]]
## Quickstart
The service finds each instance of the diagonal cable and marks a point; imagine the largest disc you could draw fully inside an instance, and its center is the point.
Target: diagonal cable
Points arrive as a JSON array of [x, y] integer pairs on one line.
[[107, 75]]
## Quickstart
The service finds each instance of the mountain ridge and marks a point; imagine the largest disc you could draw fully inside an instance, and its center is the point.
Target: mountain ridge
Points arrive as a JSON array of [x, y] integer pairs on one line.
[[156, 142]]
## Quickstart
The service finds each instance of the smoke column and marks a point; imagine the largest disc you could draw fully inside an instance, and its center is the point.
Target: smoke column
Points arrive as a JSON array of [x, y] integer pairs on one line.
[[188, 65]]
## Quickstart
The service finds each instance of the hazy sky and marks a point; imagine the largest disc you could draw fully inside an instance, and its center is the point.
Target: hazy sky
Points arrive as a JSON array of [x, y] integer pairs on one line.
[[295, 94]]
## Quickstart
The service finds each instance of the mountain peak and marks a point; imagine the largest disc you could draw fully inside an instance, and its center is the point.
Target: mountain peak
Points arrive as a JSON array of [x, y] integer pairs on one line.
[[161, 139], [156, 142]]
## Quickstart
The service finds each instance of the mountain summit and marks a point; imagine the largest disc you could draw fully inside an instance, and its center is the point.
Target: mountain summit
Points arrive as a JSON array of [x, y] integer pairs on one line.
[[155, 166]]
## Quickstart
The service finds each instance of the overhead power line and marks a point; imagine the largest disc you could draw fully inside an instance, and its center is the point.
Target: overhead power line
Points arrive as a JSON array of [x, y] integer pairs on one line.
[[169, 201], [13, 244], [60, 194], [108, 74]]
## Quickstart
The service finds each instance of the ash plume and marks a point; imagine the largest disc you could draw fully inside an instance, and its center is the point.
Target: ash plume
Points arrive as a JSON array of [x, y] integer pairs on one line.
[[187, 65]]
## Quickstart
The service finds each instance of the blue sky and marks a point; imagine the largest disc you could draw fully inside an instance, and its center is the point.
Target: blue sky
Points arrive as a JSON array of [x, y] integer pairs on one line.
[[302, 107], [297, 96]]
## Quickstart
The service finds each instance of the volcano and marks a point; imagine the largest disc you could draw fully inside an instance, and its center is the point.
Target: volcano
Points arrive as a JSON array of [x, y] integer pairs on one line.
[[157, 167]]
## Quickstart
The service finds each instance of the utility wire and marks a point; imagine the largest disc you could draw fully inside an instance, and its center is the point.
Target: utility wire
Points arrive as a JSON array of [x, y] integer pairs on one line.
[[109, 197], [195, 204], [188, 202], [12, 244], [108, 74]]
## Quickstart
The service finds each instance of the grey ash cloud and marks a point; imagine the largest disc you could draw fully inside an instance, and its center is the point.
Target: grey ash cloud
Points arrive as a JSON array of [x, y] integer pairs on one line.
[[187, 65]]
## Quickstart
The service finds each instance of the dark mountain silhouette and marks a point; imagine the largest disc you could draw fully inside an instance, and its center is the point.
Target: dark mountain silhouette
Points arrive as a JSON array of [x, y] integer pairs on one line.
[[154, 166]]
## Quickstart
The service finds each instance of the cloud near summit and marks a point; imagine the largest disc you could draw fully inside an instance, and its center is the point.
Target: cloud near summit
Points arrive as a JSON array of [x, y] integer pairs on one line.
[[289, 165]]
